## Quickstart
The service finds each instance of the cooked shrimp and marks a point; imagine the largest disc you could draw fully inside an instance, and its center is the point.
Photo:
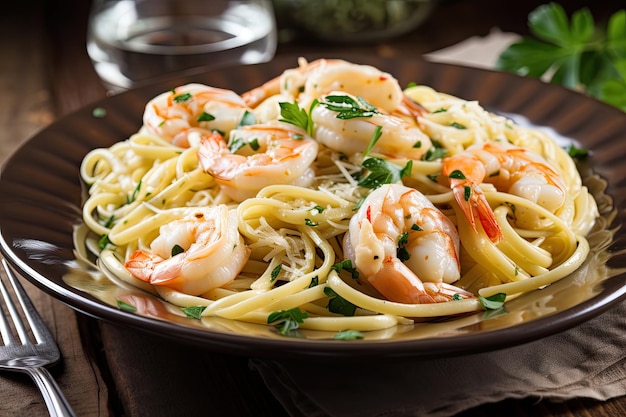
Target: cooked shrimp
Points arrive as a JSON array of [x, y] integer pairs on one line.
[[399, 138], [275, 153], [170, 115], [193, 254], [405, 247], [313, 80], [509, 168]]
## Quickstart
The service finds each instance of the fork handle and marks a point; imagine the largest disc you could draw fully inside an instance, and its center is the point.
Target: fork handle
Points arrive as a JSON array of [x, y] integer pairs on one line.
[[52, 394]]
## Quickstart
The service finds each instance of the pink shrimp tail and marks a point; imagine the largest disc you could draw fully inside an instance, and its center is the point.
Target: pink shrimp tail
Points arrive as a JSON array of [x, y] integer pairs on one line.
[[215, 157], [149, 268], [396, 282], [476, 206]]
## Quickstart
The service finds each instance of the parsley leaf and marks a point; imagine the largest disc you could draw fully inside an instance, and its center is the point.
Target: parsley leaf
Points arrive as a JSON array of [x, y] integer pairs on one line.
[[275, 272], [177, 249], [193, 312], [577, 153], [348, 335], [247, 119], [383, 172], [287, 320], [292, 113], [337, 304], [346, 265], [573, 52], [378, 132], [103, 242], [125, 306], [493, 302], [349, 108], [434, 152]]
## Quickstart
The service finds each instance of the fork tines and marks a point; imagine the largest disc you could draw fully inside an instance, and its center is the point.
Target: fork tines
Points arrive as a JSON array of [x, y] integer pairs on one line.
[[34, 320]]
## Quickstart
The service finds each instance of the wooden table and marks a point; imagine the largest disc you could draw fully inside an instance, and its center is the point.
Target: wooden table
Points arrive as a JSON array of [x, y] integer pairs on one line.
[[110, 371]]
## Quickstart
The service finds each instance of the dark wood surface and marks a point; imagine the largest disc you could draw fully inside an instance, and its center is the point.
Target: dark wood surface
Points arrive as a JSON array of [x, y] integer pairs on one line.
[[110, 371]]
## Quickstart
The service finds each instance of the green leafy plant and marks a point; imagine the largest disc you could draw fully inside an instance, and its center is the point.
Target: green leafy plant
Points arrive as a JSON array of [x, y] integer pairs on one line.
[[575, 53]]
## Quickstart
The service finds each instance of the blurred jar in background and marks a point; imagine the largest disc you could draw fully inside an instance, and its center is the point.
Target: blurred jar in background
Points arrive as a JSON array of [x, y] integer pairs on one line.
[[351, 21]]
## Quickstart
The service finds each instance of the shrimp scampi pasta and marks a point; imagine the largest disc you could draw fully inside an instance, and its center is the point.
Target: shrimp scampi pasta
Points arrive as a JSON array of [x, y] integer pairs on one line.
[[331, 198]]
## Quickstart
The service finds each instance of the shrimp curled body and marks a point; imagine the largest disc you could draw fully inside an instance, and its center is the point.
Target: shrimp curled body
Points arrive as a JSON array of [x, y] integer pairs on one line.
[[274, 153], [193, 254], [312, 80], [173, 114], [406, 248], [510, 169], [399, 137]]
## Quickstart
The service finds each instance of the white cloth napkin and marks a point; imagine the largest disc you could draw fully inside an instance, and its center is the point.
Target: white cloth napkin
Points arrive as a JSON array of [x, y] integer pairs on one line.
[[477, 51], [587, 361]]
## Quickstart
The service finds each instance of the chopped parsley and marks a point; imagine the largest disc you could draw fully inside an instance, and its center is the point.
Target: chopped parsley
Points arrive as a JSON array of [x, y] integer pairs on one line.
[[103, 242], [133, 196], [457, 175], [493, 302], [205, 117], [177, 249], [292, 113], [346, 265], [193, 312], [434, 152], [337, 304], [181, 98], [275, 272], [577, 153], [383, 172], [125, 306], [349, 108], [310, 223], [348, 335], [247, 119], [286, 321]]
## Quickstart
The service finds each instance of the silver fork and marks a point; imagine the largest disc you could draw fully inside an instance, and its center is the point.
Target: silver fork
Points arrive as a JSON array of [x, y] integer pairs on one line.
[[24, 355]]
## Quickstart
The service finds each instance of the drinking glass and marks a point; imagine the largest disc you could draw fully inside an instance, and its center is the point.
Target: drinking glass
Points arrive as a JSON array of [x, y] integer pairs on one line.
[[131, 42]]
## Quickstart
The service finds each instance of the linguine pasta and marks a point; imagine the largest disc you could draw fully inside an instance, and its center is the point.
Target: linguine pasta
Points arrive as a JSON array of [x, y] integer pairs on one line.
[[293, 231]]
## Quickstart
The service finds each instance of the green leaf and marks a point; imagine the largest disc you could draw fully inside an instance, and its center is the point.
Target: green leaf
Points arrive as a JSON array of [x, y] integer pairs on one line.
[[614, 92], [292, 113], [434, 153], [275, 272], [205, 117], [125, 306], [573, 53], [103, 242], [346, 265], [347, 107], [529, 57], [457, 174], [383, 172], [550, 23], [176, 249], [493, 302], [576, 152], [348, 335], [338, 304], [287, 320], [193, 312], [616, 35], [378, 132], [130, 199], [181, 98]]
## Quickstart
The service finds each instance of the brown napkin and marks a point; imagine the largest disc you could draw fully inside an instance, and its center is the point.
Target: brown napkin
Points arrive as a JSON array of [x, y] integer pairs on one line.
[[586, 361]]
